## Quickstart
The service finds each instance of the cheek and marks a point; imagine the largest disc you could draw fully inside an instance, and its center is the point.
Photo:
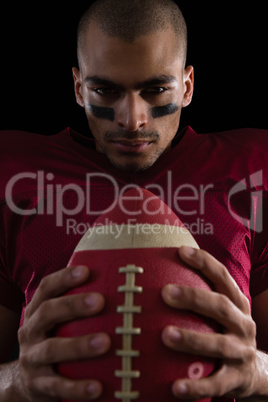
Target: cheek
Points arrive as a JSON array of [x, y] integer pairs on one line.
[[168, 126], [97, 126]]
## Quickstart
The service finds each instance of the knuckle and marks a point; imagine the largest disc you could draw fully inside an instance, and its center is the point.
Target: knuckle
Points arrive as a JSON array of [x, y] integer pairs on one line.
[[246, 306], [22, 335], [220, 389], [50, 388], [192, 296], [73, 305], [192, 340], [224, 274], [44, 309], [79, 347], [224, 271], [203, 258], [28, 312], [49, 284], [198, 390], [29, 384], [68, 389], [70, 302], [46, 388], [202, 391], [24, 361], [251, 329], [250, 354], [43, 285], [224, 346], [48, 353], [224, 306]]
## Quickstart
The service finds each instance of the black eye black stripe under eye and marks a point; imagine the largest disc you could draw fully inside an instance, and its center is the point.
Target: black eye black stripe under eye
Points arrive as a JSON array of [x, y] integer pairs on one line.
[[109, 114], [161, 111], [106, 113]]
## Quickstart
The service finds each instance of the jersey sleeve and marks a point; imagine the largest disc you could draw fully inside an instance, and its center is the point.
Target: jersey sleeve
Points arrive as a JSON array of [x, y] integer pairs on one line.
[[259, 268]]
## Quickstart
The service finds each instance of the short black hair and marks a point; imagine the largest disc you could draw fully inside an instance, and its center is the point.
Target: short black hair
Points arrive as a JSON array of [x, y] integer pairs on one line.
[[129, 19]]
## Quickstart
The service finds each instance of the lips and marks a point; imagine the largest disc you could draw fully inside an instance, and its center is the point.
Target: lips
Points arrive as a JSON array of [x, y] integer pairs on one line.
[[131, 146]]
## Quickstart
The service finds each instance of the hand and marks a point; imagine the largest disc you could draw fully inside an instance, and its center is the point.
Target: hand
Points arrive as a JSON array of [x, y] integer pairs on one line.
[[39, 352], [236, 348]]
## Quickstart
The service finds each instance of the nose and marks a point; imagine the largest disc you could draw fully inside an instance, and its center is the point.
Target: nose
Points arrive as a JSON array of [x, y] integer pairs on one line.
[[131, 113]]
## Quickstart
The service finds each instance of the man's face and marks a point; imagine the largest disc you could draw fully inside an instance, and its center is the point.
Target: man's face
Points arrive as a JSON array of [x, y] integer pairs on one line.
[[133, 95]]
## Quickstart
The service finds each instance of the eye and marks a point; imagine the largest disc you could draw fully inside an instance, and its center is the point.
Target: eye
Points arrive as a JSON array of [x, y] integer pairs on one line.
[[105, 91], [155, 90]]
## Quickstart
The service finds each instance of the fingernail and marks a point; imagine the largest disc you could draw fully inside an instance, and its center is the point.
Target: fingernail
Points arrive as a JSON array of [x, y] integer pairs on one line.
[[179, 388], [182, 388], [91, 300], [92, 389], [78, 272], [189, 251], [174, 334], [97, 342], [174, 291]]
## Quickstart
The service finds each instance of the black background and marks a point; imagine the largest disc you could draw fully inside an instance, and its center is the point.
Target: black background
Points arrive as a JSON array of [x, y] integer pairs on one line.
[[227, 47]]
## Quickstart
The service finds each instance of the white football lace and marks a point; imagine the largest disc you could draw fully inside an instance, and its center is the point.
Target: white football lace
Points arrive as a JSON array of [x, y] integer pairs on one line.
[[127, 374]]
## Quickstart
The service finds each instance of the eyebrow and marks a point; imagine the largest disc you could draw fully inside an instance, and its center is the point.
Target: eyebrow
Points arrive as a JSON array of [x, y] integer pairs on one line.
[[159, 80]]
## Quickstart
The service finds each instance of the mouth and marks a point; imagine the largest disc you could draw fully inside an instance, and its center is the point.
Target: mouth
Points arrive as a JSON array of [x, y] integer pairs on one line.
[[133, 147]]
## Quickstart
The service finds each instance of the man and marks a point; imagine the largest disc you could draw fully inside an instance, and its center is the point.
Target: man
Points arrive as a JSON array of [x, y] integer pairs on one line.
[[133, 83]]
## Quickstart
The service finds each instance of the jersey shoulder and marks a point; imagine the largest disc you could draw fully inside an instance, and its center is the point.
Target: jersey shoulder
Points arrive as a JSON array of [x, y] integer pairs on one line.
[[243, 139], [25, 153], [223, 158], [22, 144], [244, 152]]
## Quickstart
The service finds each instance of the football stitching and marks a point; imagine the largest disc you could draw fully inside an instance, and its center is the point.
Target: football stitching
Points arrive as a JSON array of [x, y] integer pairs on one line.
[[127, 374]]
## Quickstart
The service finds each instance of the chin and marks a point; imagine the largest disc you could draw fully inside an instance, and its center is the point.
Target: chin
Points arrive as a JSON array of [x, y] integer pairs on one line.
[[131, 166], [134, 164]]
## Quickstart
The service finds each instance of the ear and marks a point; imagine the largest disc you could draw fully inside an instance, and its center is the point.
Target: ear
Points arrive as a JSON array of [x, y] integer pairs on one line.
[[78, 87], [188, 81]]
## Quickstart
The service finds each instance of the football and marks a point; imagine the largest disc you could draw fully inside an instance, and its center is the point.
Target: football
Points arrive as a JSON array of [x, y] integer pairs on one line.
[[132, 253]]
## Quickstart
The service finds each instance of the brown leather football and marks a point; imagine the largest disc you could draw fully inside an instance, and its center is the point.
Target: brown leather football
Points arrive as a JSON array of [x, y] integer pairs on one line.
[[132, 253]]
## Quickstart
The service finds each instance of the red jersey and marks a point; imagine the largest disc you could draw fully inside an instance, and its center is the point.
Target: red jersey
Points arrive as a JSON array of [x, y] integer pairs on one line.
[[52, 189]]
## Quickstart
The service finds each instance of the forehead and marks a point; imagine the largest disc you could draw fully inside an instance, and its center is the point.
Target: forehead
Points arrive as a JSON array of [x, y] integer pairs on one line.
[[149, 55]]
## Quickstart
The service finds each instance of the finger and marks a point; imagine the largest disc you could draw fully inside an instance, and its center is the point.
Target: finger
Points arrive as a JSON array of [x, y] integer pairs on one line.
[[63, 388], [58, 350], [205, 344], [219, 384], [209, 304], [217, 273], [56, 284], [59, 310]]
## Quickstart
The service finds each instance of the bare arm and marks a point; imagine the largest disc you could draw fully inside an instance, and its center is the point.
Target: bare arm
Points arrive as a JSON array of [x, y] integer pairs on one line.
[[9, 323], [9, 383]]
